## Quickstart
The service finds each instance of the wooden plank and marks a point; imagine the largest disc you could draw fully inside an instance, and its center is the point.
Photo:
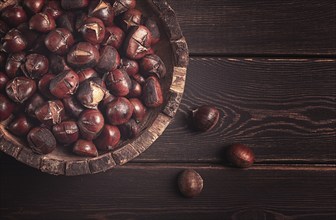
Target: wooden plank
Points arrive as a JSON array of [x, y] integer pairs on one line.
[[140, 191], [285, 109], [288, 27]]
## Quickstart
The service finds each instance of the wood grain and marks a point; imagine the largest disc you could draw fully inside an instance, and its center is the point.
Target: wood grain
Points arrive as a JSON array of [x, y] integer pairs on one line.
[[285, 109], [140, 191], [288, 27]]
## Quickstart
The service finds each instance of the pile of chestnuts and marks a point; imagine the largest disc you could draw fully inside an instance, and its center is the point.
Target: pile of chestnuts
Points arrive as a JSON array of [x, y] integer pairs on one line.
[[78, 73]]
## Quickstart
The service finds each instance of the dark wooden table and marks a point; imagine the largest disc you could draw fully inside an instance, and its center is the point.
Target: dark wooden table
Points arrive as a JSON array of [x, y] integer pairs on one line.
[[270, 67]]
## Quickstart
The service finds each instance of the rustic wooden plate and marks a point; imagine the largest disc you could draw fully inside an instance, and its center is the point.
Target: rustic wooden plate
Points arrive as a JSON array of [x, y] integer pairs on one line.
[[173, 50]]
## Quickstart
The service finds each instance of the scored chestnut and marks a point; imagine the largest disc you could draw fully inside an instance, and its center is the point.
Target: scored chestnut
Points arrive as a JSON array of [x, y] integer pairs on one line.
[[130, 66], [205, 118], [20, 126], [36, 66], [119, 111], [41, 140], [59, 41], [43, 85], [91, 92], [118, 82], [53, 8], [14, 15], [90, 124], [93, 30], [66, 132], [240, 155], [34, 103], [102, 10], [6, 107], [131, 18], [72, 106], [137, 42], [64, 85], [83, 55], [152, 93], [14, 41], [85, 148], [42, 22], [13, 64], [114, 36], [190, 183], [152, 65], [108, 138], [85, 74], [50, 113], [20, 89], [120, 6]]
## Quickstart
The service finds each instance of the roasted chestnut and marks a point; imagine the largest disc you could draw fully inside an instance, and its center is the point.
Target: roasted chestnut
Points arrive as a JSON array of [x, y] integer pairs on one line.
[[138, 42], [14, 15], [154, 29], [109, 59], [34, 103], [205, 118], [83, 55], [136, 90], [3, 29], [108, 138], [140, 111], [120, 6], [6, 107], [90, 123], [85, 148], [102, 10], [3, 80], [34, 6], [85, 74], [130, 66], [129, 129], [57, 64], [66, 132], [118, 82], [64, 85], [240, 155], [31, 36], [130, 19], [139, 78], [59, 41], [74, 4], [42, 22], [13, 64], [72, 106], [44, 84], [20, 89], [36, 66], [119, 111], [14, 41], [50, 113], [20, 126], [152, 93], [152, 65], [41, 140], [53, 8], [190, 183], [114, 36], [67, 21], [93, 30], [91, 92]]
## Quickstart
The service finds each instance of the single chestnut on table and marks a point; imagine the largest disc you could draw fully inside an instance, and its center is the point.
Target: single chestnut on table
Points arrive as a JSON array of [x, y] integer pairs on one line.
[[190, 183], [240, 155], [205, 117], [6, 107], [41, 140]]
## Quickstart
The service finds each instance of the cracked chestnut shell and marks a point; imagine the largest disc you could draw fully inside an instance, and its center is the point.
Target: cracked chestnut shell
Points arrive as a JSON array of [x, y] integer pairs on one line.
[[120, 6], [131, 18], [130, 66], [109, 59], [85, 148], [53, 8], [152, 65], [114, 36], [20, 89], [102, 10], [152, 93], [64, 85], [108, 138], [240, 155], [36, 66], [93, 30], [13, 64], [90, 123], [138, 42], [118, 82], [14, 15], [66, 132], [190, 183], [205, 118], [59, 41], [6, 107], [14, 41], [91, 93], [42, 22], [50, 113], [20, 126], [83, 55], [41, 140], [119, 111]]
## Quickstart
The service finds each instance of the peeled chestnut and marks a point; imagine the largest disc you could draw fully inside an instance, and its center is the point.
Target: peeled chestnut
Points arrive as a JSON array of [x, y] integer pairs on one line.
[[74, 4], [20, 126], [53, 8], [85, 148], [240, 155], [33, 6], [83, 55], [6, 107], [108, 138], [50, 113], [72, 106], [43, 85], [13, 64], [90, 123], [138, 42], [109, 59], [34, 103], [59, 41], [130, 19], [14, 41], [85, 74], [91, 92], [130, 66], [42, 22], [36, 66], [120, 6], [41, 140], [118, 82], [3, 80], [14, 15], [119, 111], [152, 93], [64, 85], [102, 10], [130, 129], [140, 111], [20, 89], [66, 132], [152, 65], [190, 183], [205, 118], [114, 36], [93, 30]]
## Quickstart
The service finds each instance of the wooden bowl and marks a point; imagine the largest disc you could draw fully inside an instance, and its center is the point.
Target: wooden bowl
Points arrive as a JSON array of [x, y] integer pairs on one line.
[[173, 50]]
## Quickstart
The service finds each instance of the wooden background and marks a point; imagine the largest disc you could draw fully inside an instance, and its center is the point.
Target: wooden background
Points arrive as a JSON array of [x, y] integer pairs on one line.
[[270, 67]]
